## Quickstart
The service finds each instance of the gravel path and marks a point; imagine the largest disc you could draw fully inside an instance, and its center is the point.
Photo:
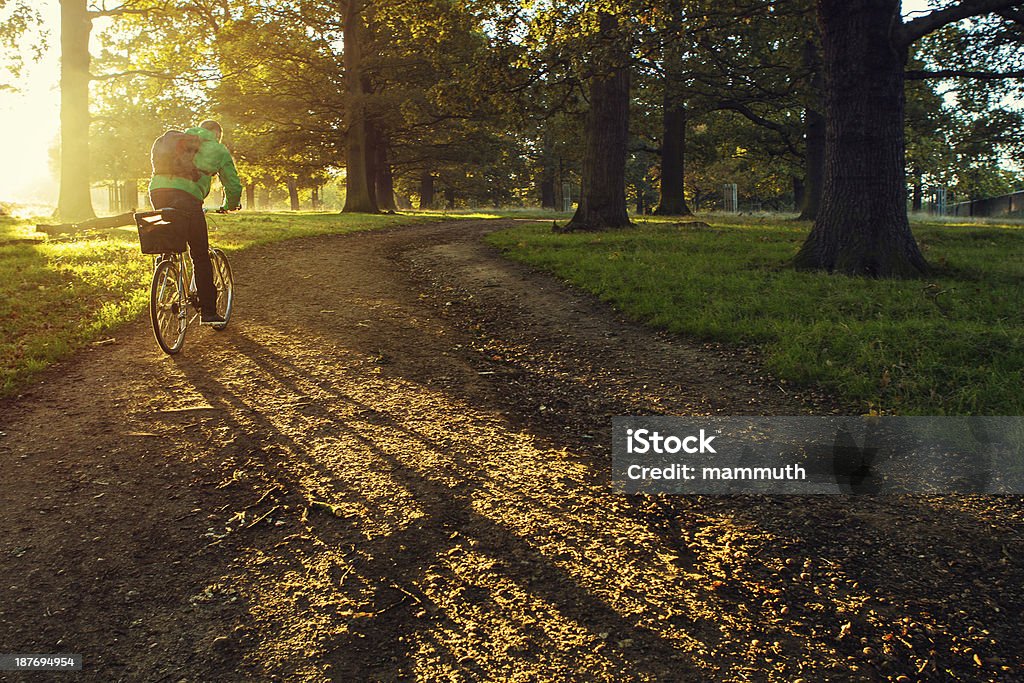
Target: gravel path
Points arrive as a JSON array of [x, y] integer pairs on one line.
[[394, 465]]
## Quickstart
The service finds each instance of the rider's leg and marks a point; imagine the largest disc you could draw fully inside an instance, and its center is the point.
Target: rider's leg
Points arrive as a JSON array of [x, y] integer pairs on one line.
[[198, 242], [199, 249]]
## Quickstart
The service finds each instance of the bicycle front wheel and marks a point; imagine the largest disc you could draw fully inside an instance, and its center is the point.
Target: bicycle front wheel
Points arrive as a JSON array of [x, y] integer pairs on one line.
[[167, 308], [225, 286]]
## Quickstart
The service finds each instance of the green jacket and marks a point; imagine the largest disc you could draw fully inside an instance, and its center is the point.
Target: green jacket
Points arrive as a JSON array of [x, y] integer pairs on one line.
[[213, 158]]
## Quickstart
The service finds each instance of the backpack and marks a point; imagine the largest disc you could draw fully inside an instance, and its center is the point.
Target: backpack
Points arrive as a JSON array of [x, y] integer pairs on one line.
[[174, 154]]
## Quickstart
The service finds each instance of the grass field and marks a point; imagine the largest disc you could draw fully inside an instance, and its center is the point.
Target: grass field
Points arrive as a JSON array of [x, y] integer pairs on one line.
[[949, 344], [59, 295], [952, 343]]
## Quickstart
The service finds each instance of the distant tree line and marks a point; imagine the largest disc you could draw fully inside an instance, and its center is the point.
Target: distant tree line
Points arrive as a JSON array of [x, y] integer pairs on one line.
[[835, 107]]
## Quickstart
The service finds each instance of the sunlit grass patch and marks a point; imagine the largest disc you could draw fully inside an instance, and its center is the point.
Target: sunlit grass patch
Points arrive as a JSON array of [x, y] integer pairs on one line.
[[952, 343], [59, 294]]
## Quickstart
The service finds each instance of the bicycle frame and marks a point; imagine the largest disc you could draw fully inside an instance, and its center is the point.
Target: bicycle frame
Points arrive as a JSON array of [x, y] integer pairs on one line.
[[183, 266], [173, 270]]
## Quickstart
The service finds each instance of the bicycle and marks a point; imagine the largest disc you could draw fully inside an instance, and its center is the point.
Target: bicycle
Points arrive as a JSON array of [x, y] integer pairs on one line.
[[162, 233]]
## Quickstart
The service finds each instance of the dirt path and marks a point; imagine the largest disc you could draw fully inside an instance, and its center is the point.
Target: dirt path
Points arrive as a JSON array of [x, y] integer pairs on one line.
[[394, 465]]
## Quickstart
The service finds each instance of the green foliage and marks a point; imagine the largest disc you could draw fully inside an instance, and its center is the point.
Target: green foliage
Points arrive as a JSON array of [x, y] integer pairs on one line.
[[439, 95], [145, 83], [21, 36], [727, 148], [974, 125], [951, 344], [283, 94]]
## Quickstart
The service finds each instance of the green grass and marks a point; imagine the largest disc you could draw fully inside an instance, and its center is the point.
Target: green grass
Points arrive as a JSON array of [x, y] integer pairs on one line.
[[949, 344], [59, 295]]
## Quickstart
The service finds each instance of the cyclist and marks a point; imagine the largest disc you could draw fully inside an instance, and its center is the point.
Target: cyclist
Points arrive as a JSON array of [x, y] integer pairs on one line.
[[187, 194]]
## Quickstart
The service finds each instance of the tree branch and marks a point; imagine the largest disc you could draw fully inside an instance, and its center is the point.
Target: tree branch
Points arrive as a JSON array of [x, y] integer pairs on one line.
[[117, 12], [920, 75], [1014, 15], [134, 72], [646, 148], [933, 21], [123, 10], [743, 110]]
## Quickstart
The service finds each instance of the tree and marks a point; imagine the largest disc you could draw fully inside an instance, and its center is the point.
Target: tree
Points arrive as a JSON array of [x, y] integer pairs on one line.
[[284, 99], [742, 57], [603, 195], [762, 65], [672, 199], [129, 109], [360, 156], [978, 68], [814, 136], [862, 226], [74, 202]]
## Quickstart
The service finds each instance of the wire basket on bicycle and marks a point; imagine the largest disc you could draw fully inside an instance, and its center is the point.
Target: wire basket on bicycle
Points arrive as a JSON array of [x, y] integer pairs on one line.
[[163, 231]]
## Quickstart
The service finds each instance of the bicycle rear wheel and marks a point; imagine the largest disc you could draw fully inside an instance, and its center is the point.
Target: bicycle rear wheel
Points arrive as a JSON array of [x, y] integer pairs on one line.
[[225, 286], [166, 302]]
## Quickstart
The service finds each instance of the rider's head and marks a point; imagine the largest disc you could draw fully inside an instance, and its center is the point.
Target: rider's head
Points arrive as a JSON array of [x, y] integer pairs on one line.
[[213, 127]]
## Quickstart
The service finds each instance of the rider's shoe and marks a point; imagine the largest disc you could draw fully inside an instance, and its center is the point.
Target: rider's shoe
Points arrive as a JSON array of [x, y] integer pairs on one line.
[[211, 318]]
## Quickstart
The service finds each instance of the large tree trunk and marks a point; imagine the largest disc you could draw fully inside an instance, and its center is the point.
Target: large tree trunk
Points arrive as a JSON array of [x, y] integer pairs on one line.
[[385, 182], [673, 127], [815, 162], [75, 201], [546, 178], [131, 194], [250, 196], [814, 127], [293, 194], [862, 226], [426, 190], [603, 195], [359, 189], [673, 151], [547, 190]]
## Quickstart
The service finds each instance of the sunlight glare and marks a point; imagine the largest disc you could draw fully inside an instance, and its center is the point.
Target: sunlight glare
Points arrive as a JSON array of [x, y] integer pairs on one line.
[[30, 120]]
